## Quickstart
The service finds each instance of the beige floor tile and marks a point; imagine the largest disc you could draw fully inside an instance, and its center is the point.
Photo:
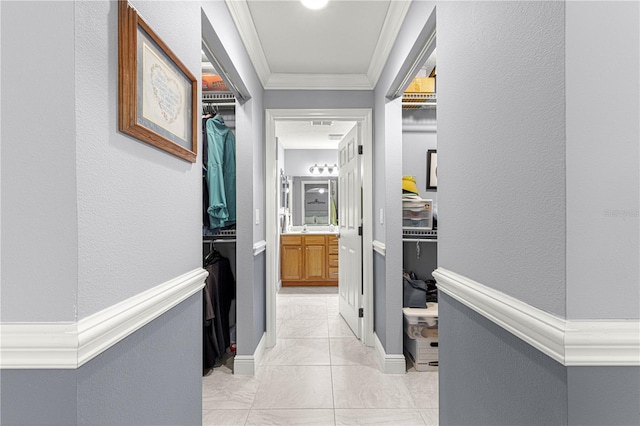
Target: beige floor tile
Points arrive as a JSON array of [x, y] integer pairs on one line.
[[302, 328], [339, 328], [221, 390], [302, 308], [298, 352], [430, 416], [386, 417], [293, 387], [367, 387], [291, 417], [224, 417], [304, 290], [423, 387], [351, 351]]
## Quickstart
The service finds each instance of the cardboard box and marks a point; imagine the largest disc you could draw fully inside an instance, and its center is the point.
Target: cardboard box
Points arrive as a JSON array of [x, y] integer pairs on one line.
[[422, 85]]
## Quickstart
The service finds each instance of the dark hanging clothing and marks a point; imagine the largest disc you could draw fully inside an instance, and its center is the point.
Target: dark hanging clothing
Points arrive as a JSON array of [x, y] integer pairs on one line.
[[220, 290]]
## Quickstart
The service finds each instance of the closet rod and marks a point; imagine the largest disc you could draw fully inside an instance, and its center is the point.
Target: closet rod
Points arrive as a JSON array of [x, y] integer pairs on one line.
[[227, 240], [419, 240]]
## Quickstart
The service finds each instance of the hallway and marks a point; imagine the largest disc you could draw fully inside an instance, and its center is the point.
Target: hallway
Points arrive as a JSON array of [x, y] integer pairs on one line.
[[318, 374]]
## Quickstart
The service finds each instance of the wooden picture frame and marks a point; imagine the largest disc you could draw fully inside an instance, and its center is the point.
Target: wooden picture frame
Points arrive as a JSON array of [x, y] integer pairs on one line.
[[157, 95], [432, 169]]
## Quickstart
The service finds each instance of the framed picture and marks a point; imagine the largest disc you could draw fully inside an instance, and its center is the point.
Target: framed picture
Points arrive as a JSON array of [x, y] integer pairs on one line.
[[157, 95], [432, 169]]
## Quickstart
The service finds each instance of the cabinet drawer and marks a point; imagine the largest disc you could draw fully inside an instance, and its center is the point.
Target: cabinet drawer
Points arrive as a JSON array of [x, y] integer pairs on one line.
[[314, 239], [333, 260], [291, 240], [333, 249], [333, 273], [333, 239]]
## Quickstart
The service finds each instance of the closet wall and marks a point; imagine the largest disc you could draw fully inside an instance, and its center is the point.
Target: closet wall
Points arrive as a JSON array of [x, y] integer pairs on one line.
[[418, 136]]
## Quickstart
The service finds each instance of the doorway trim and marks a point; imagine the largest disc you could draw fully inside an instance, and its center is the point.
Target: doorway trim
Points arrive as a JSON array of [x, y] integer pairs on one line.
[[364, 119]]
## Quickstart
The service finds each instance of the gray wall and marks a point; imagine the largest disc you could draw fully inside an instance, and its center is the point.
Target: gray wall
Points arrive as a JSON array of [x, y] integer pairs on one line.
[[604, 396], [319, 99], [153, 377], [501, 149], [298, 161], [387, 181], [222, 36], [418, 136], [603, 157], [534, 237], [379, 308], [488, 376], [39, 207], [109, 216]]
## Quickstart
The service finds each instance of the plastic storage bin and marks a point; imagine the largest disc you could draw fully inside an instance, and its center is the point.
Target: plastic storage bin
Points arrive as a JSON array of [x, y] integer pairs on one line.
[[421, 323], [417, 213], [421, 336]]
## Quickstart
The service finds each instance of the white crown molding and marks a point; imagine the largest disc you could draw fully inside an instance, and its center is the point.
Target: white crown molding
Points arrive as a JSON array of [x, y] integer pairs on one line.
[[259, 247], [390, 364], [379, 247], [287, 81], [241, 15], [570, 342], [247, 365], [71, 345], [390, 28]]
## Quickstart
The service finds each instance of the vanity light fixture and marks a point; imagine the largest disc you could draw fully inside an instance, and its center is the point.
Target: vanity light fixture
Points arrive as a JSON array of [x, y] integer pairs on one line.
[[323, 170], [314, 4]]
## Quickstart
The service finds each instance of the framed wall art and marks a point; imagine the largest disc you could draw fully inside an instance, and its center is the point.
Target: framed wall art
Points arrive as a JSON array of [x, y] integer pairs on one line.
[[432, 169], [157, 95]]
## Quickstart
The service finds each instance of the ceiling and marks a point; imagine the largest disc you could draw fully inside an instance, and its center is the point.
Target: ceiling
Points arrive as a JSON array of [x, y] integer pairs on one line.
[[311, 135], [342, 46]]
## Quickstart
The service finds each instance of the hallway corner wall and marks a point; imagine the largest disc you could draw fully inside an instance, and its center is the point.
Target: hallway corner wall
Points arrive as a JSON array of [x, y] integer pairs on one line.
[[109, 218], [387, 182], [603, 160], [250, 178]]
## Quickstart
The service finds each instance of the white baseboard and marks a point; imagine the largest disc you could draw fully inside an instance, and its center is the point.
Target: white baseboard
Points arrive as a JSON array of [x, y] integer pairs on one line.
[[71, 345], [571, 343], [390, 364], [248, 365]]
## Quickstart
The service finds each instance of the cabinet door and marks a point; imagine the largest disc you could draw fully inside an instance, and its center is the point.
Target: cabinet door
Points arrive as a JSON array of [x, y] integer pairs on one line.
[[315, 262], [291, 263]]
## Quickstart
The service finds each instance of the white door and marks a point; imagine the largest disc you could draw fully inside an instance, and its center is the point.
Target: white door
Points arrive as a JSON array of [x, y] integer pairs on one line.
[[349, 221]]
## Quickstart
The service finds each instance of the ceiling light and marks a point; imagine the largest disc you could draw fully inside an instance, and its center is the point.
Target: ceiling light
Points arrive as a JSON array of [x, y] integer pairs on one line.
[[314, 4]]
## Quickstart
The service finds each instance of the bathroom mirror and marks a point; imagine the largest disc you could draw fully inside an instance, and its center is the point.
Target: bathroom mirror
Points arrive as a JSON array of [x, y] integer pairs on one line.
[[315, 202]]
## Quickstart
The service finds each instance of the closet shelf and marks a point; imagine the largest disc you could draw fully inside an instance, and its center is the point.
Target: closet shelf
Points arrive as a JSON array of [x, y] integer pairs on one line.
[[419, 100], [228, 235], [414, 235], [219, 99]]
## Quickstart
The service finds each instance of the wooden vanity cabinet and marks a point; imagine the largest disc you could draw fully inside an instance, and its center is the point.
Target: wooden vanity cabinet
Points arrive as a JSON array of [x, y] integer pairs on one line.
[[309, 260]]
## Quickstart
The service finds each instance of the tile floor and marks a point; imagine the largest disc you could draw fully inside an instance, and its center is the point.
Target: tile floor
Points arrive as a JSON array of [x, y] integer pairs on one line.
[[318, 374]]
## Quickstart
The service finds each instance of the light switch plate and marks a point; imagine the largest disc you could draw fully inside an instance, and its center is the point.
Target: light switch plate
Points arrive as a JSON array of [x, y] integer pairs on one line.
[[257, 216]]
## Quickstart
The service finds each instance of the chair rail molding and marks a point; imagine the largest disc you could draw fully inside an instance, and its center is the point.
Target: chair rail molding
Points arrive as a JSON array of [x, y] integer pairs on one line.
[[589, 342], [71, 345]]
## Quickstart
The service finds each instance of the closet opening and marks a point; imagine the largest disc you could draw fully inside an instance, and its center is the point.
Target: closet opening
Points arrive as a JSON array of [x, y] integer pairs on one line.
[[420, 205], [218, 147]]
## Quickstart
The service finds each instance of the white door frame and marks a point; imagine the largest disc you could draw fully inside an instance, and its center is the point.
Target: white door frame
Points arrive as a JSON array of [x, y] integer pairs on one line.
[[363, 116]]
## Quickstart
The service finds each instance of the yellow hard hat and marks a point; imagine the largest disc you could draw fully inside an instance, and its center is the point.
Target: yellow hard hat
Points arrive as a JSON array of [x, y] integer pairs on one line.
[[409, 184]]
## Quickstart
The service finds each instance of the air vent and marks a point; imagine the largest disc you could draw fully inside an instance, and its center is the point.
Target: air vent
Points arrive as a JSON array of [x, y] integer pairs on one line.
[[322, 123], [335, 136]]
